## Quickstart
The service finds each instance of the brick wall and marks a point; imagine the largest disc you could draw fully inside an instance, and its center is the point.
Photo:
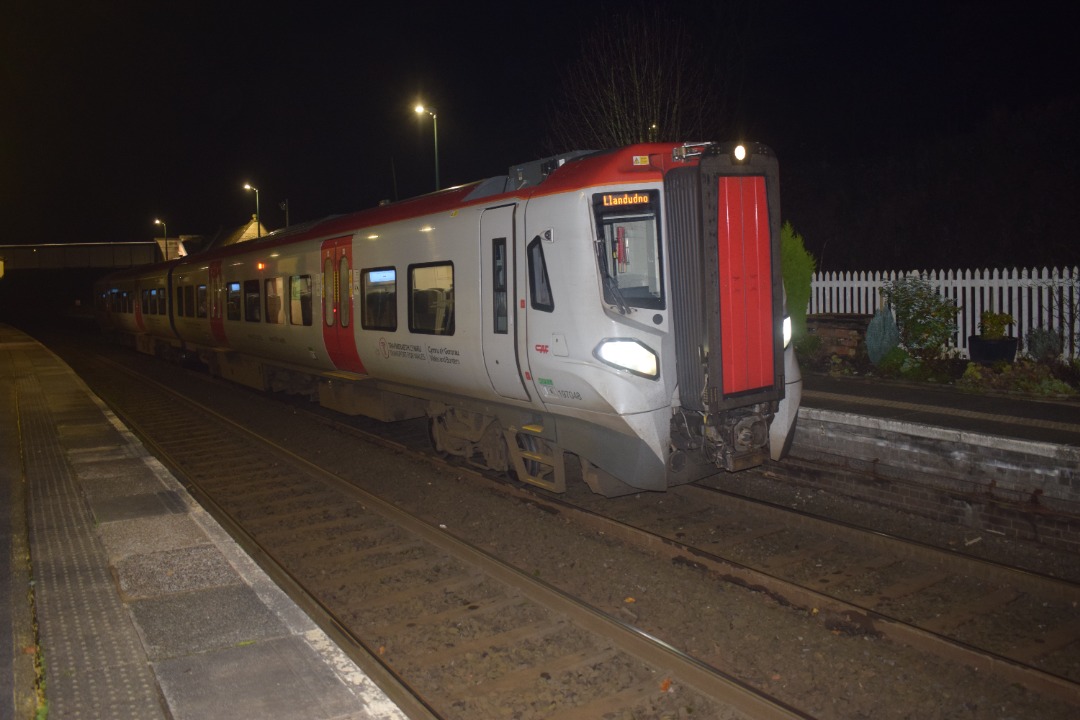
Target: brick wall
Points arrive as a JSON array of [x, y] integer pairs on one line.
[[841, 334]]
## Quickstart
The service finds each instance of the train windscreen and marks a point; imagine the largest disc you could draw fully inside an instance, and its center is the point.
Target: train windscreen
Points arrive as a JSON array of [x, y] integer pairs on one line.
[[628, 233]]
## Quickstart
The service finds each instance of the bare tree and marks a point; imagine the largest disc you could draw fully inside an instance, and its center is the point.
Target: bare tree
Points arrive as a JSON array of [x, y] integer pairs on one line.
[[643, 75]]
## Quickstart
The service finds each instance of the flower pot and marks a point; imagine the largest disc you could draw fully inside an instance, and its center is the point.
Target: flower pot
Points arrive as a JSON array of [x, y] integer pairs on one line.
[[987, 351]]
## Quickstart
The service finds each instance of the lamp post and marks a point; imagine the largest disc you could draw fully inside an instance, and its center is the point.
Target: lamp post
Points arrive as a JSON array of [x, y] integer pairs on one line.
[[420, 110], [165, 231], [258, 220]]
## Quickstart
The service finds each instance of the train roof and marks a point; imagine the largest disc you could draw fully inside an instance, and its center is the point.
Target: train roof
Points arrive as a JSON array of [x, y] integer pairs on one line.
[[551, 175]]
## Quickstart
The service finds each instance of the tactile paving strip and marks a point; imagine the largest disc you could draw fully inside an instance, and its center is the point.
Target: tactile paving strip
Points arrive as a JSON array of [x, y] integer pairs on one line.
[[95, 663]]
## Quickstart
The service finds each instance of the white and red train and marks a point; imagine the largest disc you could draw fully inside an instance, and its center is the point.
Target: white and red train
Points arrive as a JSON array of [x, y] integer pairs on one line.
[[618, 311]]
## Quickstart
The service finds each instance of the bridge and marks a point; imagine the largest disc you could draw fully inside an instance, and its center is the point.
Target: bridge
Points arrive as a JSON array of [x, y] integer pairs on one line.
[[60, 256]]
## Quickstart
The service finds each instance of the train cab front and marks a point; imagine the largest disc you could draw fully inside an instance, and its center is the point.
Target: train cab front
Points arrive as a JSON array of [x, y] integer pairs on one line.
[[680, 369], [732, 335]]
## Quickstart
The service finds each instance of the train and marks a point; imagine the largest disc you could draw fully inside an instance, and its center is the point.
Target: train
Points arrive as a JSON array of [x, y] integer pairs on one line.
[[612, 316]]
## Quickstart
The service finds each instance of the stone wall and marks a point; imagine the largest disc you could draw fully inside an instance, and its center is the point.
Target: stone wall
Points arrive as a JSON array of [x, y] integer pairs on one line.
[[1018, 488]]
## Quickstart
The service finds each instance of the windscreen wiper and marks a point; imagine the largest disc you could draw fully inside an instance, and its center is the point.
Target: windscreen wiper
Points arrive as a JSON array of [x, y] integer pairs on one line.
[[609, 282]]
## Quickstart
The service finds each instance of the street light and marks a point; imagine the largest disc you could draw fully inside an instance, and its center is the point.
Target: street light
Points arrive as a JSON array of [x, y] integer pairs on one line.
[[258, 221], [420, 110], [165, 231]]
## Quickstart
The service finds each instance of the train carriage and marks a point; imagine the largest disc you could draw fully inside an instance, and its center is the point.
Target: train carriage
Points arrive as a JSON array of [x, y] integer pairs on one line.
[[135, 304], [620, 310]]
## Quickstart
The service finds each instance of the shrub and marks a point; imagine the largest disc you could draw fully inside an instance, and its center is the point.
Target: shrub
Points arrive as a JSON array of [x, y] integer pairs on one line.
[[992, 324], [882, 335], [810, 351], [926, 321], [1044, 345], [797, 266], [1023, 376], [894, 363], [1068, 372]]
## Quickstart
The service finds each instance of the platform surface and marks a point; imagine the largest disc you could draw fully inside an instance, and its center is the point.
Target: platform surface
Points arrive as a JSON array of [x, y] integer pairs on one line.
[[131, 598]]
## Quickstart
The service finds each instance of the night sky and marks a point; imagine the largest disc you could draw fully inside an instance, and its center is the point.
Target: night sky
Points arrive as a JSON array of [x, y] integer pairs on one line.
[[113, 113]]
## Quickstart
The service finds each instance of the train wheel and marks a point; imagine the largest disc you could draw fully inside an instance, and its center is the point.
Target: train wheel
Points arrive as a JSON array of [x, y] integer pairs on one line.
[[435, 435], [493, 448]]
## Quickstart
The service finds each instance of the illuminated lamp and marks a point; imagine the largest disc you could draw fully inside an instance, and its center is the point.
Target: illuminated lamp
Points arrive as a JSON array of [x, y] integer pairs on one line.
[[629, 354], [421, 110]]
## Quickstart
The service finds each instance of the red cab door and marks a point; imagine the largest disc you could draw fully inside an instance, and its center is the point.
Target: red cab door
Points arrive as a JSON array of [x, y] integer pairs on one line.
[[217, 299]]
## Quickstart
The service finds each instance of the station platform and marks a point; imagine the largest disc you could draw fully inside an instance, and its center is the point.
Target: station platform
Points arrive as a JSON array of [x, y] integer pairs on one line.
[[119, 596], [1055, 421], [1005, 464]]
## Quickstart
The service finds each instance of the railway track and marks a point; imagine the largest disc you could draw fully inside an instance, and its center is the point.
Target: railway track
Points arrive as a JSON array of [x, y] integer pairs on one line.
[[1014, 624], [840, 579], [449, 630], [1020, 625]]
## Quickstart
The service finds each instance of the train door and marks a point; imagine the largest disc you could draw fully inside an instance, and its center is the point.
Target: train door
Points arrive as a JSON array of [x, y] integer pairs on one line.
[[338, 308], [497, 302], [217, 302], [137, 297]]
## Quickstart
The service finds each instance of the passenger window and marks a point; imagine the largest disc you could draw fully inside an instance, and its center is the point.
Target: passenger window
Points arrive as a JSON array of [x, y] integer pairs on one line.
[[232, 311], [145, 298], [275, 309], [200, 301], [431, 299], [189, 301], [329, 289], [179, 301], [539, 286], [252, 309], [498, 285], [300, 299], [378, 299]]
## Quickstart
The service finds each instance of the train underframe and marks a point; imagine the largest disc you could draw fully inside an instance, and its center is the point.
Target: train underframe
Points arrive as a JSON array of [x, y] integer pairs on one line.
[[652, 452]]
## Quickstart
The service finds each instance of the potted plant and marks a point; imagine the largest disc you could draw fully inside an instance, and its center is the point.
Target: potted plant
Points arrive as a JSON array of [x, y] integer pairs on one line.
[[992, 344]]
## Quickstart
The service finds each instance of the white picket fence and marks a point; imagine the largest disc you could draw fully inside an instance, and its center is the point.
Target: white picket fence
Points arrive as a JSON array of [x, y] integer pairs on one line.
[[1036, 298]]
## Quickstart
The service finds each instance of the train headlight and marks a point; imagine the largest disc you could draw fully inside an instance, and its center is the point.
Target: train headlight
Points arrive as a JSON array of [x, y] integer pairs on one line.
[[628, 354], [787, 330]]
